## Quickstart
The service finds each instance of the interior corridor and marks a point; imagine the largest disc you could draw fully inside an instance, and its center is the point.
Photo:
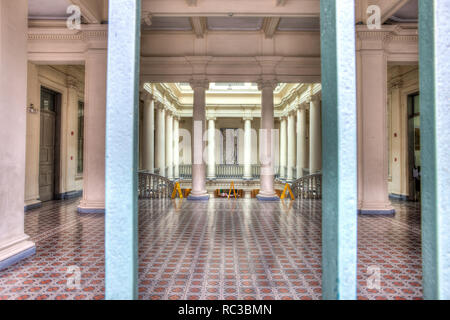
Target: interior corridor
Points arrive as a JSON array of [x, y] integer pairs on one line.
[[221, 249]]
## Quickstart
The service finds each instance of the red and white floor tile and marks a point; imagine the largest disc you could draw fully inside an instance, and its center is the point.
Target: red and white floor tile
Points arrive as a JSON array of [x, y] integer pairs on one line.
[[221, 249]]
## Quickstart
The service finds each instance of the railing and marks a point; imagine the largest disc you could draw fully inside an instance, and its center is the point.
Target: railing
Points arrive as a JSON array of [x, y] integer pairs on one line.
[[308, 187], [185, 171], [153, 186], [229, 171], [256, 171]]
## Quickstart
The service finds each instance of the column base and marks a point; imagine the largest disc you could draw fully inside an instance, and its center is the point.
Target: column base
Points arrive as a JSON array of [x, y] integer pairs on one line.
[[15, 251], [91, 207], [204, 197], [267, 198], [376, 209], [32, 204]]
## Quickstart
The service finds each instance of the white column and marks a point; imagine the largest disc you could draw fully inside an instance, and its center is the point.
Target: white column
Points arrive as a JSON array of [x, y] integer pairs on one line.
[[176, 147], [211, 148], [198, 145], [94, 133], [283, 148], [302, 161], [291, 147], [160, 146], [373, 162], [169, 145], [14, 243], [248, 148], [267, 191], [315, 136], [148, 141]]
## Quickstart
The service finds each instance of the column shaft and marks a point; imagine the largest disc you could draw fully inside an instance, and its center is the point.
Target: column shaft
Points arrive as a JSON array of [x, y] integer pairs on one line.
[[283, 147], [94, 133], [339, 204], [315, 136], [247, 148], [302, 161], [169, 145], [291, 147], [267, 192], [14, 243], [176, 147], [148, 143], [211, 149], [373, 196], [160, 146], [198, 145]]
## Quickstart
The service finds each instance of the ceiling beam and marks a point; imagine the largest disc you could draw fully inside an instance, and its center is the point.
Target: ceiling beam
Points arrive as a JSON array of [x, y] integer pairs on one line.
[[236, 8], [199, 26], [270, 26], [91, 10], [392, 9]]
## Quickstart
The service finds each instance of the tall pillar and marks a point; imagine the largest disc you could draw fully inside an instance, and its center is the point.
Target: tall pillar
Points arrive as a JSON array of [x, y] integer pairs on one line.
[[176, 147], [339, 204], [169, 145], [315, 136], [198, 145], [283, 147], [302, 161], [373, 162], [121, 219], [211, 148], [160, 146], [14, 243], [248, 148], [267, 191], [291, 147], [148, 143], [434, 44], [94, 132]]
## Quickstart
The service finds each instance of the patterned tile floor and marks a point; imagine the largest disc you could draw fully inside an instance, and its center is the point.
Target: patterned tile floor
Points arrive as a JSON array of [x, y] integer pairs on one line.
[[217, 250]]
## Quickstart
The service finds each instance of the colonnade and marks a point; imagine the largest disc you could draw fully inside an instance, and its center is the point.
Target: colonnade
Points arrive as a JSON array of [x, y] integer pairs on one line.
[[300, 145]]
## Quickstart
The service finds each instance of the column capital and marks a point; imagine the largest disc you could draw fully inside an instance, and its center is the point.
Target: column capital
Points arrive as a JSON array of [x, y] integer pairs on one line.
[[159, 105], [145, 95], [396, 83], [316, 98], [208, 118], [72, 83], [283, 118], [199, 83], [263, 84], [247, 118], [304, 105]]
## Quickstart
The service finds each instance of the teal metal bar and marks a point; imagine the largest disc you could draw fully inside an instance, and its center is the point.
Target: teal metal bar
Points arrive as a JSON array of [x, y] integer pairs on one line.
[[434, 47], [339, 215], [121, 242]]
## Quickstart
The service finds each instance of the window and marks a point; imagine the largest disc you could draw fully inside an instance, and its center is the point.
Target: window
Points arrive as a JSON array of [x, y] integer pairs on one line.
[[80, 137]]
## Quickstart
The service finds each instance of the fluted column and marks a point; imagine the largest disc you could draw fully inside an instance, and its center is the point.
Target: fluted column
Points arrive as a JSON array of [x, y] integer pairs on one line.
[[211, 148], [302, 160], [267, 191], [169, 145], [198, 128], [176, 147], [315, 136], [160, 147], [248, 148], [283, 147], [291, 147], [148, 136]]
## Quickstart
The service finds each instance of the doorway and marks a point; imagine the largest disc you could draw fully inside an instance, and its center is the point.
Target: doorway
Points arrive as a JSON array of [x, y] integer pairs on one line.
[[49, 144], [414, 146]]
